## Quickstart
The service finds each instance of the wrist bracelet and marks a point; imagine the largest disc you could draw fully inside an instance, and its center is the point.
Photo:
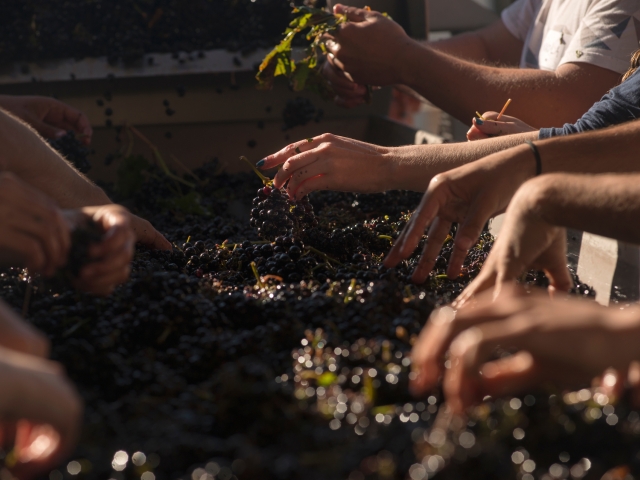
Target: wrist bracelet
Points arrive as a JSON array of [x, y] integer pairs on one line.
[[536, 153]]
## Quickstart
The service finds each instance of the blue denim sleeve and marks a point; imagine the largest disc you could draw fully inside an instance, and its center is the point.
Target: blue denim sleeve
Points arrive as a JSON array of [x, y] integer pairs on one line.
[[620, 105]]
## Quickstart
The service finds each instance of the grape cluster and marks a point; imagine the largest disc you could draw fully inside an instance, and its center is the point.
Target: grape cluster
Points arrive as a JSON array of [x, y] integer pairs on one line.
[[73, 150], [83, 236], [274, 214], [299, 111]]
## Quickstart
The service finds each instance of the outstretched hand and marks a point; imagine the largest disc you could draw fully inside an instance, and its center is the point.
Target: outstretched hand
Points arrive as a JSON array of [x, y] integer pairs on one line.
[[49, 117], [330, 162], [469, 195], [526, 242]]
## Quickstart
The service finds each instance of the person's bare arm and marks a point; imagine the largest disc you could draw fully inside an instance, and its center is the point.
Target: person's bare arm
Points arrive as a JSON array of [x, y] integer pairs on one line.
[[374, 50], [330, 162], [29, 157], [470, 195], [607, 205], [493, 44], [26, 155]]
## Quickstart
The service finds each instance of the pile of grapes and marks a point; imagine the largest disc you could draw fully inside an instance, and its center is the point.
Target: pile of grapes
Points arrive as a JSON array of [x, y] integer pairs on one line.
[[35, 30], [272, 344]]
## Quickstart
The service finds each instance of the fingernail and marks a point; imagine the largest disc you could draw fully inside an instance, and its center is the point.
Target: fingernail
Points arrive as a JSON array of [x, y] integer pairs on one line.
[[479, 121], [261, 163]]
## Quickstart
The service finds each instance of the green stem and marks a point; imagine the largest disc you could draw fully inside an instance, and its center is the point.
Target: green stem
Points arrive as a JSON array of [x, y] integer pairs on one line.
[[267, 181], [325, 256]]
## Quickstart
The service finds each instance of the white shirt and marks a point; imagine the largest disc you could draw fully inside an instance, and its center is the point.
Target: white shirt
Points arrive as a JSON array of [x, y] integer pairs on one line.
[[605, 33]]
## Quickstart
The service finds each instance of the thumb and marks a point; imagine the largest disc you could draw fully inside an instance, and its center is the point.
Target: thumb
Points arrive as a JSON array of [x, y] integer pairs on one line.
[[353, 14], [46, 130]]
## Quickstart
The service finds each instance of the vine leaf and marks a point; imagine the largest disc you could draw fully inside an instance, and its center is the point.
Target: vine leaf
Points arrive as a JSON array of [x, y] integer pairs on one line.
[[302, 74]]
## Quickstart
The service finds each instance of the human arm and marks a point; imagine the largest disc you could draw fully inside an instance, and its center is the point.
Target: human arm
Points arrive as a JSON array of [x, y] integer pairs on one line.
[[540, 329], [49, 117], [533, 234], [42, 407], [470, 195], [493, 44], [18, 335], [376, 51], [28, 157], [330, 162]]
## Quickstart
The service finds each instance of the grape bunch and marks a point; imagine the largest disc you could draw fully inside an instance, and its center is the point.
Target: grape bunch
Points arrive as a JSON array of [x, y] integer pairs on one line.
[[85, 235], [73, 150], [274, 215]]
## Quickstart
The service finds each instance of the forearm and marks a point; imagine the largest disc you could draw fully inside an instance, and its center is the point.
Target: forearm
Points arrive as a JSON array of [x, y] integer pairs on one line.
[[462, 87], [29, 157], [607, 205], [413, 167]]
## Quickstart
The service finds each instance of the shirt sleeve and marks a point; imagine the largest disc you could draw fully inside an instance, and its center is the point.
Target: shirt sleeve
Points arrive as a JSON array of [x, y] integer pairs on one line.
[[620, 105], [606, 36], [519, 17]]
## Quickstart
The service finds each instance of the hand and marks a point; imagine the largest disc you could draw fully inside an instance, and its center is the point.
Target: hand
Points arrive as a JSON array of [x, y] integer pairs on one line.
[[368, 49], [147, 235], [348, 93], [110, 259], [41, 413], [48, 116], [490, 127], [35, 234], [469, 195], [329, 162], [18, 335], [526, 242], [565, 342]]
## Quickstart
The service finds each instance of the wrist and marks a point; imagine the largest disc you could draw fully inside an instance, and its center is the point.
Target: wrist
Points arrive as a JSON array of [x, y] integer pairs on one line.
[[407, 61]]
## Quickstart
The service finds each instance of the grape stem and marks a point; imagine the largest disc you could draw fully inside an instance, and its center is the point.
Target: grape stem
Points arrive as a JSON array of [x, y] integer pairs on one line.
[[325, 256], [266, 180], [254, 269]]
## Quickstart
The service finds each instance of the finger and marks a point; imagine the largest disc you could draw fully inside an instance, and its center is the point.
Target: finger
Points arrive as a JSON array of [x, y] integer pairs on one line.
[[321, 167], [475, 134], [422, 217], [47, 131], [149, 236], [295, 165], [117, 261], [438, 232], [493, 128], [20, 336], [341, 84], [115, 239], [427, 354], [290, 151], [510, 376], [468, 234], [314, 184], [353, 14], [75, 118], [555, 264], [483, 282]]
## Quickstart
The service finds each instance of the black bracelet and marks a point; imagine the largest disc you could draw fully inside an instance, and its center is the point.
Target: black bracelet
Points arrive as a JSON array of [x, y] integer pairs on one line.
[[536, 153]]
